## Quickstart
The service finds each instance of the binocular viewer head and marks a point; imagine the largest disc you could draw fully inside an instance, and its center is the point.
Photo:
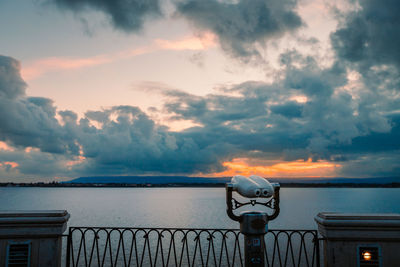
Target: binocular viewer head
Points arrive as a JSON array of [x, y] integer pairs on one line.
[[253, 186]]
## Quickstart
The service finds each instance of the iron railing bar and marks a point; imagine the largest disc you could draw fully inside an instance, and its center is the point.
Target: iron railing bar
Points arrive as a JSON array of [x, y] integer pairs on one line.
[[301, 248], [136, 250], [144, 249], [275, 249], [208, 247], [69, 243], [80, 247], [213, 248], [157, 248], [92, 250], [195, 249], [183, 247], [200, 249], [289, 250], [226, 248], [97, 248], [187, 249], [305, 249], [131, 248], [148, 248]]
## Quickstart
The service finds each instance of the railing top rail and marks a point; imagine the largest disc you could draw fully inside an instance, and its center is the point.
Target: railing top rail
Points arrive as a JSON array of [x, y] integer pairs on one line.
[[179, 228]]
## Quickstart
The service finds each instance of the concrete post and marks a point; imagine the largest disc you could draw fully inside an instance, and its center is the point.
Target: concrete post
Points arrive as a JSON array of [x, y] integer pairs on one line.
[[360, 239], [32, 238]]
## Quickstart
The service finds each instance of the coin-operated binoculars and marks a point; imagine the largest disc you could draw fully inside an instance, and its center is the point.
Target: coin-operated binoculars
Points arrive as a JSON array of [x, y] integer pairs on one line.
[[253, 224]]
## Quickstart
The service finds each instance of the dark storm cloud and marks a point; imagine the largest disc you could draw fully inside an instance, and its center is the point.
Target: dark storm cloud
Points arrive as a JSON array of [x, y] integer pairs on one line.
[[11, 83], [27, 121], [128, 15], [371, 35], [290, 109], [330, 125], [130, 142], [240, 25], [35, 163]]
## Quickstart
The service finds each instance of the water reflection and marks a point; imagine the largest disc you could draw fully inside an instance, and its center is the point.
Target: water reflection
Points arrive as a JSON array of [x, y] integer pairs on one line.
[[191, 207]]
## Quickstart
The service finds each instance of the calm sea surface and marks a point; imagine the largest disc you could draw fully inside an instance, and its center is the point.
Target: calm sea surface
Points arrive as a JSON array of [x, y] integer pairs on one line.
[[191, 207]]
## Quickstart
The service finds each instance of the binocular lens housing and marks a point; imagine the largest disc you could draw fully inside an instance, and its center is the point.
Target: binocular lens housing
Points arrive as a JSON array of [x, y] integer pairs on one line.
[[266, 193]]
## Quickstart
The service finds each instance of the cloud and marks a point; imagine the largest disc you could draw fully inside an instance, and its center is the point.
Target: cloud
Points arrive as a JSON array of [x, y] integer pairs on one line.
[[243, 24], [329, 125], [311, 115], [11, 83], [27, 121], [125, 15], [200, 42], [40, 67], [242, 27], [370, 35]]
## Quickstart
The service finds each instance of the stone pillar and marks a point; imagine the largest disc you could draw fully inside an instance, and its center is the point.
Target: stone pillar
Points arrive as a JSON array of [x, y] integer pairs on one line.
[[32, 238], [360, 239]]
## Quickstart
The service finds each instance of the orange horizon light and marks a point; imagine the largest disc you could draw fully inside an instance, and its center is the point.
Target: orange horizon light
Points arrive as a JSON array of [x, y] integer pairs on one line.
[[298, 168]]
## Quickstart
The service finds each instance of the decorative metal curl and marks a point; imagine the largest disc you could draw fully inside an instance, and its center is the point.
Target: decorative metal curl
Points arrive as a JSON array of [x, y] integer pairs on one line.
[[236, 204]]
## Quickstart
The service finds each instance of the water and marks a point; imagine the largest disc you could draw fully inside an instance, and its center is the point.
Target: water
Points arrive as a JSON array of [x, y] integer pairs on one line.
[[191, 207]]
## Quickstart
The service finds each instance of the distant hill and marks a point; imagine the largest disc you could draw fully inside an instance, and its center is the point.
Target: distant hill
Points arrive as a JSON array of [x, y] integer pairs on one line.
[[165, 180]]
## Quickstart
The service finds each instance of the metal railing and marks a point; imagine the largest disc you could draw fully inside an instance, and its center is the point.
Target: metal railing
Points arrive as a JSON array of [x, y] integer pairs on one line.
[[103, 246]]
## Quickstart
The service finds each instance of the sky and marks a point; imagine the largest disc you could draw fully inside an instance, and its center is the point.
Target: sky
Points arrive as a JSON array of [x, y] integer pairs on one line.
[[277, 88]]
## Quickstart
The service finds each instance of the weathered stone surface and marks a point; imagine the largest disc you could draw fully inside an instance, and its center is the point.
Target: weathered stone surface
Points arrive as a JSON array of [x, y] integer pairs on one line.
[[344, 233], [41, 229]]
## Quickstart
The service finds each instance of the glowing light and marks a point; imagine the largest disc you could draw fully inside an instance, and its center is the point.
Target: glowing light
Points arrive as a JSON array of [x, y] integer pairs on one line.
[[299, 168], [299, 99], [367, 256], [30, 149], [42, 66], [78, 159], [181, 125], [4, 146], [12, 164], [202, 42]]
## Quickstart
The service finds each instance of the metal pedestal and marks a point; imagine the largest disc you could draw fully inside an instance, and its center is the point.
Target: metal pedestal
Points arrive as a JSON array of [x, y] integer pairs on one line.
[[254, 226]]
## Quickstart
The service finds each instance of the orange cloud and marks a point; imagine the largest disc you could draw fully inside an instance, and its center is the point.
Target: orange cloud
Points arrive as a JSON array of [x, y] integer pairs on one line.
[[4, 146], [42, 66], [299, 98], [299, 168], [78, 160], [201, 42], [10, 163], [37, 68]]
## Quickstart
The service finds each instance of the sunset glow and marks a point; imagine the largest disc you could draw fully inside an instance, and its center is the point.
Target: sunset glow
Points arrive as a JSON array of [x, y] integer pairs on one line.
[[201, 42], [4, 146], [39, 67], [9, 163], [297, 168]]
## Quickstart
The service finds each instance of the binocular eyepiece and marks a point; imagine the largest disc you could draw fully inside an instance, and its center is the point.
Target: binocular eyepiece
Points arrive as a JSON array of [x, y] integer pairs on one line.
[[253, 186]]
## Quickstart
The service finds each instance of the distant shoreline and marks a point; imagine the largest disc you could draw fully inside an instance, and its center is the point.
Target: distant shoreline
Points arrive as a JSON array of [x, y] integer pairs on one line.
[[202, 185]]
